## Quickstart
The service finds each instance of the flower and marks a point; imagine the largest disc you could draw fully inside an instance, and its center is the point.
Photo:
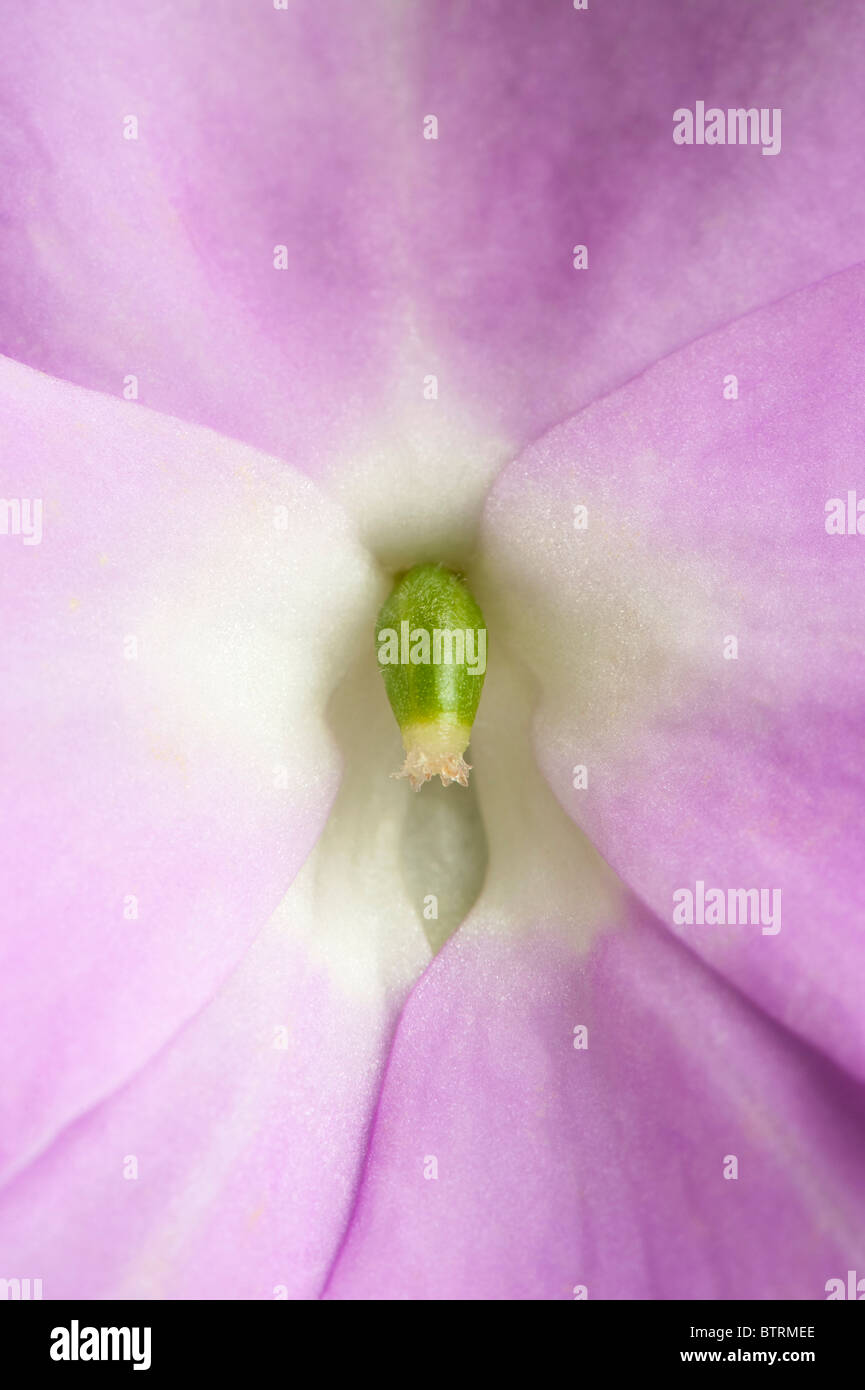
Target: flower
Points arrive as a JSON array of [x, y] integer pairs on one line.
[[245, 1058]]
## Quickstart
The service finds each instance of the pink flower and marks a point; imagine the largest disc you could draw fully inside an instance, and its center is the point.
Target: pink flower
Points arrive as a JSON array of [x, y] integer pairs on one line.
[[267, 343]]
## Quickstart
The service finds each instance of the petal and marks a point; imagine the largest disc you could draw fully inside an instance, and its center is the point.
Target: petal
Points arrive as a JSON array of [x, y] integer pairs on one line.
[[556, 130], [506, 1163], [151, 250], [169, 648], [405, 256], [706, 520], [226, 1167]]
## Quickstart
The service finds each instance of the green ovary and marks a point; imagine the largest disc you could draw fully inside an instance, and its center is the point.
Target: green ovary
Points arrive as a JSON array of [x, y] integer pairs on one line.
[[432, 649]]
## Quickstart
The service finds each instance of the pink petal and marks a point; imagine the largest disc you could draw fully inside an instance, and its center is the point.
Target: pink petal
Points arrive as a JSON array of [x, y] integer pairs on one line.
[[226, 1166], [555, 130], [601, 1167], [154, 256], [169, 648], [706, 519], [407, 256]]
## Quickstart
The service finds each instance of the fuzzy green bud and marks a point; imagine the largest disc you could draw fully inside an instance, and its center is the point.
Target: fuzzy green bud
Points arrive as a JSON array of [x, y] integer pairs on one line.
[[432, 653]]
